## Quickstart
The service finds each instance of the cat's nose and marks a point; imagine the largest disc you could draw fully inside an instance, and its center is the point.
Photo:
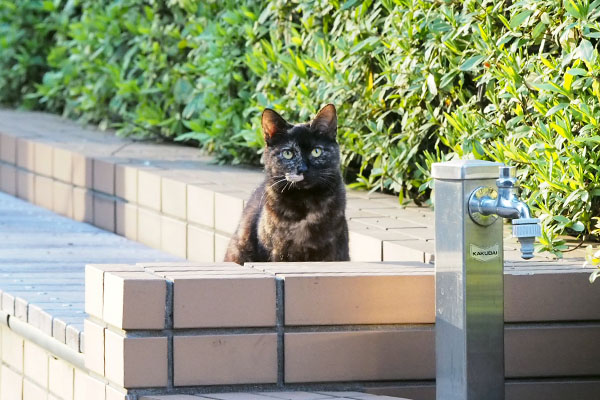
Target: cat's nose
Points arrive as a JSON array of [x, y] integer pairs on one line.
[[302, 168]]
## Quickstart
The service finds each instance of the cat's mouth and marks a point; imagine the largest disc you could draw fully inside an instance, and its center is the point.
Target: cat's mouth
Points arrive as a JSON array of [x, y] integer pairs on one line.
[[294, 177]]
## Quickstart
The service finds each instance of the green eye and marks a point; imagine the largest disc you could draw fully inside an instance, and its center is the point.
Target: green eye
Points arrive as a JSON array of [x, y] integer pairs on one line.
[[287, 154], [316, 152]]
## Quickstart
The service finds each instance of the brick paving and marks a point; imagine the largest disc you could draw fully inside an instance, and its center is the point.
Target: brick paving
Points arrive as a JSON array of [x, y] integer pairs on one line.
[[42, 260], [276, 396]]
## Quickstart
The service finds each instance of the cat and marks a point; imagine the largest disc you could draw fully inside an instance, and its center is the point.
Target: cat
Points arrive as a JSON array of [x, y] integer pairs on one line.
[[298, 212]]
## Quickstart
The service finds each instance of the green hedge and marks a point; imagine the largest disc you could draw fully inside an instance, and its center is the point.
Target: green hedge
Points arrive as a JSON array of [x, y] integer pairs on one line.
[[415, 82]]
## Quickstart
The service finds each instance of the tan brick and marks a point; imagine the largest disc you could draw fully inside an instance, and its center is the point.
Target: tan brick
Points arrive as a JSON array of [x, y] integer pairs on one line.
[[114, 394], [408, 250], [35, 364], [126, 182], [375, 299], [104, 176], [551, 351], [82, 170], [12, 349], [32, 391], [94, 284], [552, 389], [173, 236], [200, 244], [83, 205], [547, 296], [88, 388], [403, 354], [149, 192], [201, 205], [94, 346], [104, 212], [11, 384], [364, 247], [174, 197], [43, 158], [8, 148], [223, 301], [228, 210], [149, 228], [25, 185], [124, 356], [62, 165], [221, 243], [43, 191], [8, 179], [225, 359], [60, 378], [26, 154], [62, 198], [126, 222], [134, 300]]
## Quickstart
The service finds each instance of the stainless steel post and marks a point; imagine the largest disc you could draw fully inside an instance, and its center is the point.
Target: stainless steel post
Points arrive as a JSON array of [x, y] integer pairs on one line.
[[469, 286]]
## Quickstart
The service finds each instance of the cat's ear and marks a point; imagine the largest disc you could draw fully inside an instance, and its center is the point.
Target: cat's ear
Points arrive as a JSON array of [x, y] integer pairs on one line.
[[326, 121], [273, 124]]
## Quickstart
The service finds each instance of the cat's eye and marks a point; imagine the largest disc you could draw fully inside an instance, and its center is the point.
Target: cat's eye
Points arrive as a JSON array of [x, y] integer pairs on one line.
[[287, 154], [316, 152]]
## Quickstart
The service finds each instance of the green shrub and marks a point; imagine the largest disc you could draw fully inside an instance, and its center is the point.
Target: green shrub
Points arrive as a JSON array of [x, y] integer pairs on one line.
[[415, 82]]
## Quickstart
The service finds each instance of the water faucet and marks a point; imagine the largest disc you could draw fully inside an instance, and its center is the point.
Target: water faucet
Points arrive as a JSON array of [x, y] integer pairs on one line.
[[486, 204]]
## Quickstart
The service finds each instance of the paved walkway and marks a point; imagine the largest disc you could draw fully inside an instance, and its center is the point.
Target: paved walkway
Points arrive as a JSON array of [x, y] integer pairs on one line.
[[42, 262], [276, 396]]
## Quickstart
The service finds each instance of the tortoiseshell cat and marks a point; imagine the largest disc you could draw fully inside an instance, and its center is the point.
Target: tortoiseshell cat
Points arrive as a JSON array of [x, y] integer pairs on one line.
[[297, 213]]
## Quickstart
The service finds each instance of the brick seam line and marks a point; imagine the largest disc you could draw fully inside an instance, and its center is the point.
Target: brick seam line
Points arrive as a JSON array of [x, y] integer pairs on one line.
[[169, 332], [280, 324]]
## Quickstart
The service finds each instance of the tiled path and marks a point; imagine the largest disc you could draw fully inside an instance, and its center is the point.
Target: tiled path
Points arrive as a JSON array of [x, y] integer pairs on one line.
[[42, 260], [277, 396]]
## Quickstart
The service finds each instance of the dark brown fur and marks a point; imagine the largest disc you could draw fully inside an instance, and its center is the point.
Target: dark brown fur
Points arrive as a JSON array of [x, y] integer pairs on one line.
[[296, 221]]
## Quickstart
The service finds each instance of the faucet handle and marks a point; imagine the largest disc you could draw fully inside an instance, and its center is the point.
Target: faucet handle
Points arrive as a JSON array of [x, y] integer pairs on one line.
[[507, 177], [526, 230], [507, 172]]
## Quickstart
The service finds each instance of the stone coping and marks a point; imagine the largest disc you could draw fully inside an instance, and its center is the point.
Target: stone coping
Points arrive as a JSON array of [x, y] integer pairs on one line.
[[42, 261], [174, 198]]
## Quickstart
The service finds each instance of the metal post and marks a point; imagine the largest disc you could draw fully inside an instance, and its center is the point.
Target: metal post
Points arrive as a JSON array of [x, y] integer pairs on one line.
[[469, 286]]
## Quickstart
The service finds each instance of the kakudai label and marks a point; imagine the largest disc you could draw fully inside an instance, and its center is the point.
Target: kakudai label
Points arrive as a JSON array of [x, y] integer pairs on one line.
[[485, 254]]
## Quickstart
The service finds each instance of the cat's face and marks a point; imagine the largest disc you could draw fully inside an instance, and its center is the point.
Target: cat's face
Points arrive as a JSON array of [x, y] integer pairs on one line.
[[302, 156]]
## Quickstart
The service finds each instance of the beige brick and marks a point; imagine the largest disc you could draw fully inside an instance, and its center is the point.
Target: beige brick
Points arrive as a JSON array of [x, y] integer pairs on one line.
[[62, 165], [173, 236], [364, 247], [551, 351], [8, 179], [223, 301], [134, 300], [60, 378], [83, 205], [403, 354], [62, 198], [8, 148], [94, 284], [547, 296], [201, 205], [12, 349], [221, 243], [408, 250], [25, 185], [174, 197], [94, 346], [82, 170], [32, 391], [200, 244], [149, 228], [225, 359], [114, 394], [228, 210], [26, 154], [35, 364], [126, 182], [103, 176], [11, 384], [124, 356], [375, 299], [43, 191], [552, 389], [104, 212], [88, 388], [149, 192], [126, 219], [43, 158]]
